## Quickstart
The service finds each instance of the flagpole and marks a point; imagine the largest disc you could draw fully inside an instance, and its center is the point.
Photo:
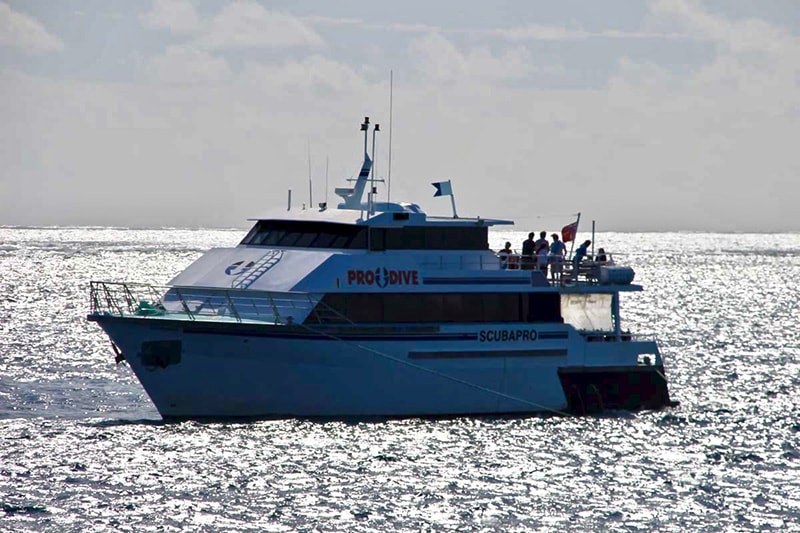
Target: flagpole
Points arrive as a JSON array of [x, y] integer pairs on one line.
[[453, 200], [572, 246]]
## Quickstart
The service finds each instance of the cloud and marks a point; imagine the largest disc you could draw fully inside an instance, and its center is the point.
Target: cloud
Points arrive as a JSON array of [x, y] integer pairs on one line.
[[23, 32], [177, 16], [313, 73], [536, 32], [318, 20], [733, 36], [754, 60], [708, 145], [436, 58], [187, 64], [247, 24]]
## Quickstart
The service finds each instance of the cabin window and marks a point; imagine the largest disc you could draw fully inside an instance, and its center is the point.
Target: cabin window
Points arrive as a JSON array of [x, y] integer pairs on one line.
[[308, 234], [543, 307], [377, 239], [402, 307], [289, 238], [437, 238], [341, 241], [406, 238], [306, 240], [439, 307], [588, 312]]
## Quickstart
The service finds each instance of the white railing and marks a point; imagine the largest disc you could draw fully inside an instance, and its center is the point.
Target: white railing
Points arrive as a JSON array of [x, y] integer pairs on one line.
[[204, 303]]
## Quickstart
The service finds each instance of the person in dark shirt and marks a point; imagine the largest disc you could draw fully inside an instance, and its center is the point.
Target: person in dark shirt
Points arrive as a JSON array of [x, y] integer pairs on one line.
[[527, 252], [580, 253], [504, 256]]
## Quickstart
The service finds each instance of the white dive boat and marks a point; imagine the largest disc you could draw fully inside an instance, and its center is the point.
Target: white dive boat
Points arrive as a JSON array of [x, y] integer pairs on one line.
[[376, 309]]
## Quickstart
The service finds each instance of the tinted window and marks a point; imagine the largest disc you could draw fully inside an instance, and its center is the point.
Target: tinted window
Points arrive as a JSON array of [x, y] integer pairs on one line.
[[437, 238], [377, 239], [330, 235], [544, 307], [439, 308], [306, 234]]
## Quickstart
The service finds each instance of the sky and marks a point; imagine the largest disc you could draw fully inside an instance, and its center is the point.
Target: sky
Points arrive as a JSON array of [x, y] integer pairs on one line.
[[661, 115]]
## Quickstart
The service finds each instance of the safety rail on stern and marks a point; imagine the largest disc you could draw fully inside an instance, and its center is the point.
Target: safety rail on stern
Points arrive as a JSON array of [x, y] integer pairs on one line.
[[561, 271]]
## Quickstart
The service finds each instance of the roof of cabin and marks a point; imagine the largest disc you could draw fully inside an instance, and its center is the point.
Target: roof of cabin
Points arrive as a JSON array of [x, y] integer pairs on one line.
[[351, 216]]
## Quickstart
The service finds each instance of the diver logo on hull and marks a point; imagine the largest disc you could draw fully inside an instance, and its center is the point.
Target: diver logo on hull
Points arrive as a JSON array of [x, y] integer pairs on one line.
[[382, 277], [238, 267]]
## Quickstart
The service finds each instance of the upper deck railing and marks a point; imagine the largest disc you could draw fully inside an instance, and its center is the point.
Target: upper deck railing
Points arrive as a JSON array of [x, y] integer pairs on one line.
[[559, 272]]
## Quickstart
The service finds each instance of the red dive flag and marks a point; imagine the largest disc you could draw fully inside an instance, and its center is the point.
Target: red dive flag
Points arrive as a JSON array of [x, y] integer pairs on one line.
[[569, 231]]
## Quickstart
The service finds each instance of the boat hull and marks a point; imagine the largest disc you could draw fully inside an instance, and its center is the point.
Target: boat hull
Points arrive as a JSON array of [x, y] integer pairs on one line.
[[194, 369]]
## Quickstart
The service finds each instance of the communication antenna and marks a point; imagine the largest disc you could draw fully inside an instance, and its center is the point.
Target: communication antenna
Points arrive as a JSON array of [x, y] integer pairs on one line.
[[372, 190], [389, 184], [365, 129], [310, 201]]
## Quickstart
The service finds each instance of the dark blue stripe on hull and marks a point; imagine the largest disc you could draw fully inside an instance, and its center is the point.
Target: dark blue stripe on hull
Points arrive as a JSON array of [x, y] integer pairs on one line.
[[329, 336], [549, 335], [487, 354], [473, 281]]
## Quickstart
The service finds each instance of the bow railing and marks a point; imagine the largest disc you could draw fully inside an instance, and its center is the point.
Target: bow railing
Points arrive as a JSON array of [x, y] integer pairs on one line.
[[205, 303]]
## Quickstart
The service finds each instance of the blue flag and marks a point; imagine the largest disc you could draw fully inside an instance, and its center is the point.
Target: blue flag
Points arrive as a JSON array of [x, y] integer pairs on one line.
[[443, 188]]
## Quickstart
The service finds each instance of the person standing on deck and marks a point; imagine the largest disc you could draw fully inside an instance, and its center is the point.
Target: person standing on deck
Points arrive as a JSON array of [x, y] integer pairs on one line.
[[504, 256], [527, 252], [557, 251], [580, 253], [541, 247]]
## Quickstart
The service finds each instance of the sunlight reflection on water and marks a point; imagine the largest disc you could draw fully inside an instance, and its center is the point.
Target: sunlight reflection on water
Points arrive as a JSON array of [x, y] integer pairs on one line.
[[83, 448]]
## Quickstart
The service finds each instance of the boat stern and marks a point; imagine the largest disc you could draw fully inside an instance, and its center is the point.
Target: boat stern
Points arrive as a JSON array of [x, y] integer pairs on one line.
[[619, 373]]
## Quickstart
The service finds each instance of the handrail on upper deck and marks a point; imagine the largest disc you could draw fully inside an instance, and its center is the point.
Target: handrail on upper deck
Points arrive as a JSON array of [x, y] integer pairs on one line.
[[561, 271]]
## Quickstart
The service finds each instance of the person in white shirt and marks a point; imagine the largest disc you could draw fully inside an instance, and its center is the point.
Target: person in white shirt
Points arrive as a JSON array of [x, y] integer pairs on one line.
[[541, 248], [557, 251]]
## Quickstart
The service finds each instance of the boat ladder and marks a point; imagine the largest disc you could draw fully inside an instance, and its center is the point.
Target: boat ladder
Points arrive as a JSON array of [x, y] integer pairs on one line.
[[267, 261]]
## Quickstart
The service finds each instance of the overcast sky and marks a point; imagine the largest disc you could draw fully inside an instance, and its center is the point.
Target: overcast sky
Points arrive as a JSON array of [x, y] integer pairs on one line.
[[643, 115]]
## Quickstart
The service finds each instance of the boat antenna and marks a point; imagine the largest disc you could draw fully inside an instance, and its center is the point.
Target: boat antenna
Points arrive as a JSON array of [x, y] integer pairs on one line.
[[326, 180], [372, 190], [389, 185], [289, 206], [365, 129], [310, 200]]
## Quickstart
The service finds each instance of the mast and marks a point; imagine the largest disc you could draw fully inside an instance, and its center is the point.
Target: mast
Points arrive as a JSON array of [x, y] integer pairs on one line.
[[365, 129], [310, 200], [389, 185], [371, 195]]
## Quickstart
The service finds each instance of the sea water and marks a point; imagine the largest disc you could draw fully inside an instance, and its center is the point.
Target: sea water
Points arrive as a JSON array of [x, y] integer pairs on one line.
[[83, 449]]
